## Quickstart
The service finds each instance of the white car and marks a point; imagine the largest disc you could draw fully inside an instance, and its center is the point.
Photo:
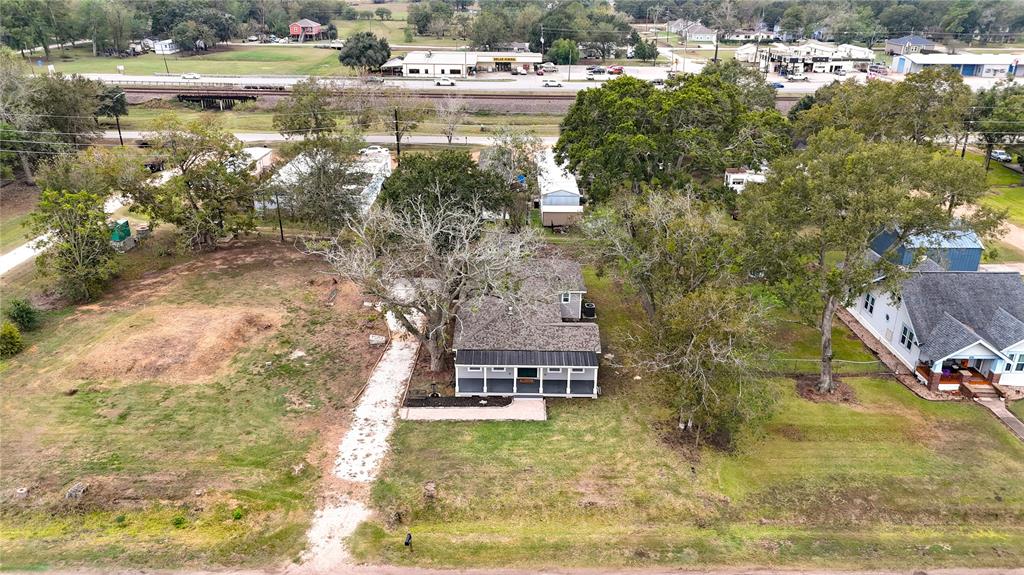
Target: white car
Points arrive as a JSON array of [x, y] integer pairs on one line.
[[798, 77], [444, 82], [252, 39], [369, 150], [1001, 156], [190, 76], [552, 84]]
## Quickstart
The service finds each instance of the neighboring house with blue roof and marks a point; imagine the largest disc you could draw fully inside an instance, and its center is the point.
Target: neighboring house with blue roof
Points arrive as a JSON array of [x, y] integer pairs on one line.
[[955, 251], [912, 44]]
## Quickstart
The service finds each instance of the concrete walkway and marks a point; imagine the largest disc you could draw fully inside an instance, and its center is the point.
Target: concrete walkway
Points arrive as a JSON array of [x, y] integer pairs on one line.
[[998, 408], [360, 455], [521, 409]]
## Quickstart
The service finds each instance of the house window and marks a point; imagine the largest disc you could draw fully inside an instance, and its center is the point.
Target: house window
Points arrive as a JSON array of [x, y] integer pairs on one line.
[[577, 370], [554, 370], [498, 369], [907, 337], [474, 369], [1020, 362], [414, 70], [566, 297], [869, 303], [1009, 365], [528, 372]]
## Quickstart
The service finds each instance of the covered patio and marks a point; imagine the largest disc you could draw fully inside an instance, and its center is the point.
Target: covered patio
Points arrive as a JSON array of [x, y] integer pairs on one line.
[[553, 374]]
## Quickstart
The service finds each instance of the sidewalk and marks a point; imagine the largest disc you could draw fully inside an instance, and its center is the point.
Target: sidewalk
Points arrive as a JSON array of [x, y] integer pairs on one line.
[[998, 408], [360, 455]]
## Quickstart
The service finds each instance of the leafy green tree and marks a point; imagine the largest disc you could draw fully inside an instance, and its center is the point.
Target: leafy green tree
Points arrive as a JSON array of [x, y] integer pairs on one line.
[[101, 171], [193, 36], [490, 30], [75, 245], [383, 13], [793, 20], [901, 17], [604, 38], [452, 174], [11, 342], [512, 156], [66, 106], [927, 106], [704, 336], [996, 115], [755, 92], [645, 51], [812, 223], [364, 51], [306, 111], [212, 193], [564, 51], [21, 311], [323, 192], [627, 133]]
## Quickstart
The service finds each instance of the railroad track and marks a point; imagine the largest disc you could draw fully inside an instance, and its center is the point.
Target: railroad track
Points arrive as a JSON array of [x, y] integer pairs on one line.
[[213, 91]]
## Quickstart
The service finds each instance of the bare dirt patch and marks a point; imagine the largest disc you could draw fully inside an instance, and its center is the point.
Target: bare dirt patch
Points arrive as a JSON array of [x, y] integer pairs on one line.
[[176, 344], [18, 198], [806, 387]]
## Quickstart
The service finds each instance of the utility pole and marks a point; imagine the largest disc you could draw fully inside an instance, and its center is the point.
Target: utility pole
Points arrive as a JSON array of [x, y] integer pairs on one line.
[[716, 46], [398, 139], [277, 205], [117, 120]]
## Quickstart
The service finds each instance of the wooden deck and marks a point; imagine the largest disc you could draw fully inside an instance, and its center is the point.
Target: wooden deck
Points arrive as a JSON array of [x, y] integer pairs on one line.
[[955, 378]]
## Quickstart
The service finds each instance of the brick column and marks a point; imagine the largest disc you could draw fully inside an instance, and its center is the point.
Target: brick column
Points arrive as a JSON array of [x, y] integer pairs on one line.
[[933, 380]]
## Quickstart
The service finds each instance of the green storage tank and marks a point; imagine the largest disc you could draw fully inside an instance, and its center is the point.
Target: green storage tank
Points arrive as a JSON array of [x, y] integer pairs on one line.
[[120, 231]]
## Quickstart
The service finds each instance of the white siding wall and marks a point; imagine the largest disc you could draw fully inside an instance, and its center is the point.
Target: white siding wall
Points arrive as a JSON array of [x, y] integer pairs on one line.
[[1013, 377], [886, 323]]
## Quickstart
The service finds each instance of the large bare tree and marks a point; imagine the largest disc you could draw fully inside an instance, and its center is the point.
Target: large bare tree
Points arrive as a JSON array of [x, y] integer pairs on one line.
[[450, 113], [425, 260]]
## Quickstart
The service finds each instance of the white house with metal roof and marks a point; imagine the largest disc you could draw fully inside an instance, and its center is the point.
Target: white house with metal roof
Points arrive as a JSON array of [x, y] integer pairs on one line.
[[968, 64], [541, 345], [561, 203]]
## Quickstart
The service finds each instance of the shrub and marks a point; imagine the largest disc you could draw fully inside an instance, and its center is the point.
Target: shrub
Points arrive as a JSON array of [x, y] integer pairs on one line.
[[22, 313], [237, 514], [11, 343], [179, 521]]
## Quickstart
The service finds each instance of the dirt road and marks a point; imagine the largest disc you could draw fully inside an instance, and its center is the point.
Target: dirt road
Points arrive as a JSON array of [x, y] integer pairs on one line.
[[392, 570]]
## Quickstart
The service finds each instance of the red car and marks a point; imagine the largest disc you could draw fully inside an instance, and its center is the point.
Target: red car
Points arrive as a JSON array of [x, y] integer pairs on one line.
[[615, 69], [540, 72]]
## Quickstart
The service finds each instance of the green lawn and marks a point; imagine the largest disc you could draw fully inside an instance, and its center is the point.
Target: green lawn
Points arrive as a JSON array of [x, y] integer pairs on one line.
[[141, 118], [215, 468], [1011, 199], [796, 340], [235, 60], [1006, 253], [13, 232], [890, 481], [1017, 408], [998, 174]]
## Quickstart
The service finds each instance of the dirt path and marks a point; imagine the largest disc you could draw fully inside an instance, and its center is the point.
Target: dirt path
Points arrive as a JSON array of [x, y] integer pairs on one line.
[[360, 454], [395, 570]]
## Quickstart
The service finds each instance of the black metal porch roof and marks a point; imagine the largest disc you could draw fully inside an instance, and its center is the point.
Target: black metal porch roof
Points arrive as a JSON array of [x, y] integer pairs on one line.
[[526, 358]]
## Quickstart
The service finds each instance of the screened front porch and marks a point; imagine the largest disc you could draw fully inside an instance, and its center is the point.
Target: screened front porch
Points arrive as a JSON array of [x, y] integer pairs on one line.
[[526, 381]]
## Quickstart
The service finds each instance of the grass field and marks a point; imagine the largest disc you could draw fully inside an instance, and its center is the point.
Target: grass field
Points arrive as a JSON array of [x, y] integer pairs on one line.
[[1011, 199], [16, 202], [230, 61], [886, 481], [141, 118], [393, 30], [175, 401], [1006, 253]]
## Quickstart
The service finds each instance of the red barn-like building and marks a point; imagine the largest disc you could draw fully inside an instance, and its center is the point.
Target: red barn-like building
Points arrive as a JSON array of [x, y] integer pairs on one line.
[[303, 29]]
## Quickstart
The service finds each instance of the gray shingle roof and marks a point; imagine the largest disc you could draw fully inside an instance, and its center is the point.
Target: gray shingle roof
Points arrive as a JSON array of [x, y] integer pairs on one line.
[[951, 310], [534, 322]]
